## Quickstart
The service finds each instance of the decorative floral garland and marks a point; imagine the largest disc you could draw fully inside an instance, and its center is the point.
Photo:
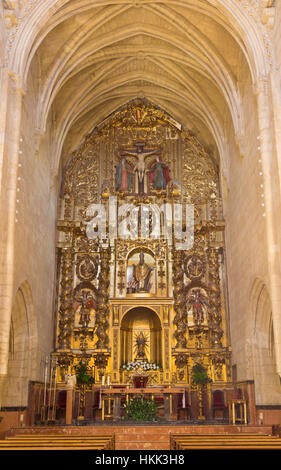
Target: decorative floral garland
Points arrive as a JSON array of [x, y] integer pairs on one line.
[[135, 365]]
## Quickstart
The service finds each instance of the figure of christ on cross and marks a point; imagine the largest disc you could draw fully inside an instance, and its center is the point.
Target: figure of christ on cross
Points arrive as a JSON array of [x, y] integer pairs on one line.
[[141, 155]]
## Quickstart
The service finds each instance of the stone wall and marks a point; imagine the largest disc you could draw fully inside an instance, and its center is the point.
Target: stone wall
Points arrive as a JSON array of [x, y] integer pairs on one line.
[[245, 230], [34, 241]]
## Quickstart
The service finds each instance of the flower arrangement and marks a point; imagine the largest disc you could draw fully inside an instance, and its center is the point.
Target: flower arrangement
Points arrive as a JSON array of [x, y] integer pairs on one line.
[[135, 365]]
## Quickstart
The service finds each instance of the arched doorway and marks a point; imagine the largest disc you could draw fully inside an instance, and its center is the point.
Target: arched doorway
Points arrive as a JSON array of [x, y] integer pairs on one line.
[[267, 382], [22, 349], [141, 322]]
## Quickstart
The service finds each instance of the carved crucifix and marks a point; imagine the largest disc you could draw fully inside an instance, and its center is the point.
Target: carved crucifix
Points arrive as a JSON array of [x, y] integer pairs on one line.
[[141, 154]]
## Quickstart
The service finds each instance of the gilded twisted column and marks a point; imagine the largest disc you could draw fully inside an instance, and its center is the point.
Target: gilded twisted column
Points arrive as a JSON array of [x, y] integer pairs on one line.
[[65, 320], [180, 319], [215, 317], [103, 300]]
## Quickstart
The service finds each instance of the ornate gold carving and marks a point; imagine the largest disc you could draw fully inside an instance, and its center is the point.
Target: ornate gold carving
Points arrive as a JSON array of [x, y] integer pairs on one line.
[[115, 349], [64, 361], [103, 297], [214, 298], [191, 278], [65, 320], [87, 267], [153, 377], [121, 276], [139, 115], [181, 361], [101, 360], [166, 314], [115, 312], [161, 276], [81, 178], [167, 349], [68, 208], [83, 244], [180, 319], [200, 177], [194, 266], [123, 247]]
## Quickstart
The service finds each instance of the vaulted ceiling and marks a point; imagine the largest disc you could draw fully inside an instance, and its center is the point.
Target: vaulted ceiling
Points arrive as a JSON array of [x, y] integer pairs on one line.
[[184, 56]]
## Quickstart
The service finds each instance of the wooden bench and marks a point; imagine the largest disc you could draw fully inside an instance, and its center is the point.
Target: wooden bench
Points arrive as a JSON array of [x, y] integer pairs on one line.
[[58, 442], [224, 441]]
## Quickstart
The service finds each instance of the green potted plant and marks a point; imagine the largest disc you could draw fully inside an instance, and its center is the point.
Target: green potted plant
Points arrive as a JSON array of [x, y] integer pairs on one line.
[[82, 375], [200, 378], [199, 375], [84, 379], [141, 409]]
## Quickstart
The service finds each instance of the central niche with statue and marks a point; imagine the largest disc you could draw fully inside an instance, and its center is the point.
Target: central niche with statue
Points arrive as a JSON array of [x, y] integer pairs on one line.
[[141, 345]]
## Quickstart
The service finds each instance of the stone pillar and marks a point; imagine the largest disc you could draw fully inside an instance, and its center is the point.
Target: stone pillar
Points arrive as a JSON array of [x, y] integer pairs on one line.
[[271, 197], [4, 86], [8, 207], [275, 81]]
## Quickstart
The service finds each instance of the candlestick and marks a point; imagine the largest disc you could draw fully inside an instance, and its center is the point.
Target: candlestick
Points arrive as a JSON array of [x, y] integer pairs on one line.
[[45, 380]]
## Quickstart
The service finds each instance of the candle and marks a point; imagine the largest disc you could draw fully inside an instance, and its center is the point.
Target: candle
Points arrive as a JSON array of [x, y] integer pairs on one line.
[[183, 400], [102, 380], [108, 380]]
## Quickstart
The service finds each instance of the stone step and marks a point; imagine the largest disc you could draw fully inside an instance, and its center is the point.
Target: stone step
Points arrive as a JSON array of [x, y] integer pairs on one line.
[[142, 439], [141, 446]]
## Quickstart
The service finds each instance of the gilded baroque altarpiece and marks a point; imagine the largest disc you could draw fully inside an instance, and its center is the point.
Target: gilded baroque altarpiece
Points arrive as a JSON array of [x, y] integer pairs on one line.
[[137, 304]]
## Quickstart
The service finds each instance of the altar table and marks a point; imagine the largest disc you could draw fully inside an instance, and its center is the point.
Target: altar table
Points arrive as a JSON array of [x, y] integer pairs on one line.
[[111, 399]]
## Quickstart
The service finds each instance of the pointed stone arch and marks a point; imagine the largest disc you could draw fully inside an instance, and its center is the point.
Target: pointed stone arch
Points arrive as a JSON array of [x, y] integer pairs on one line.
[[267, 382], [22, 349]]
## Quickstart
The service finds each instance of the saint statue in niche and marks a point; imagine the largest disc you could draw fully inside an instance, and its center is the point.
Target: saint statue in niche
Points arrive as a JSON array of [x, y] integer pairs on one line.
[[124, 176], [159, 175], [198, 302], [85, 306], [141, 155], [141, 344], [139, 276]]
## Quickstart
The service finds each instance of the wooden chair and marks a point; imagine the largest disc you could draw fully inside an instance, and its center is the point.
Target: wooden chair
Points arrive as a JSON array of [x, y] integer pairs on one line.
[[97, 406], [219, 406]]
